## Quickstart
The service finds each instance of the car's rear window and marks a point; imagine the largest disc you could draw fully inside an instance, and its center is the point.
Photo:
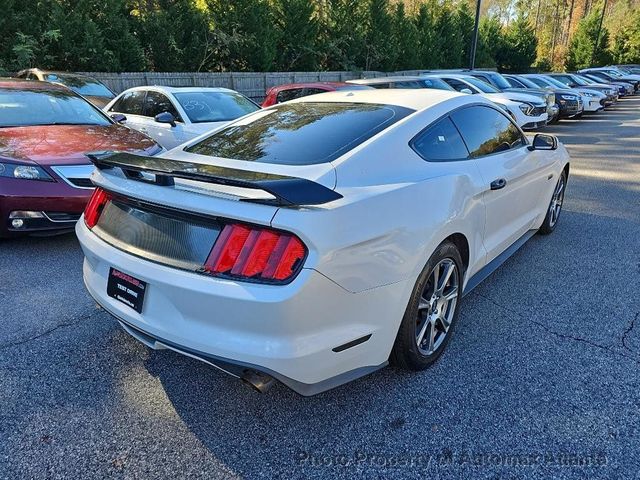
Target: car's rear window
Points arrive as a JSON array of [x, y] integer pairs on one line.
[[28, 107], [303, 133]]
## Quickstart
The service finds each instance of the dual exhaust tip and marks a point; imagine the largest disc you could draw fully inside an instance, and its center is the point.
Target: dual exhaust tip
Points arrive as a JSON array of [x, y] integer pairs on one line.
[[258, 381]]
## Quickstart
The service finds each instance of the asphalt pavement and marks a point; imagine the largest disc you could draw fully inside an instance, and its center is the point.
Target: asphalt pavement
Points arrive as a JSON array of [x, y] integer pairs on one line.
[[540, 381]]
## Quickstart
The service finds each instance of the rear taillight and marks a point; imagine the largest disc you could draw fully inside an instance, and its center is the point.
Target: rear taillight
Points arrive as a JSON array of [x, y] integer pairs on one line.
[[94, 208], [257, 253]]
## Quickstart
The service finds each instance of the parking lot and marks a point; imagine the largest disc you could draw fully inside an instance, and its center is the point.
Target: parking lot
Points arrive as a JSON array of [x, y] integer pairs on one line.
[[541, 380]]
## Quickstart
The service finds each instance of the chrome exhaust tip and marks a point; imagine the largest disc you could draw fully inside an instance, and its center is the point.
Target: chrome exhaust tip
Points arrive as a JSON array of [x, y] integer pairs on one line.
[[261, 382]]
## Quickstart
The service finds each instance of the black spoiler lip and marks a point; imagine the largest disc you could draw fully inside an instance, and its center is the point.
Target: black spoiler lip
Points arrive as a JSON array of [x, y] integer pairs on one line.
[[288, 191]]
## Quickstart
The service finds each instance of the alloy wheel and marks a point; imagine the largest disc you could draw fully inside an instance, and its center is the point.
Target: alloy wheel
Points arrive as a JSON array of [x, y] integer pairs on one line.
[[437, 306], [556, 202]]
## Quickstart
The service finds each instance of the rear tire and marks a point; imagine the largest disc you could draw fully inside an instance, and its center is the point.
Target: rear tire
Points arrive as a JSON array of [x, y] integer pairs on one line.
[[555, 206], [430, 318]]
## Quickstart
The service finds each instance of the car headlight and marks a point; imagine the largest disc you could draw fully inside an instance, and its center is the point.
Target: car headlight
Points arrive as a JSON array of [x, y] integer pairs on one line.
[[25, 172], [587, 94], [526, 108], [568, 97]]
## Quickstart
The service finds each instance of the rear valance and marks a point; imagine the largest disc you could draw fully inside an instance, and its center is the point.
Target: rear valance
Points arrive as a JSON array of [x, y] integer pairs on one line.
[[288, 191]]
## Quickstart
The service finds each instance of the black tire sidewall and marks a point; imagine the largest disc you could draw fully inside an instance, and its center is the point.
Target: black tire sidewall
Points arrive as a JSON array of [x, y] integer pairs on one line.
[[405, 352]]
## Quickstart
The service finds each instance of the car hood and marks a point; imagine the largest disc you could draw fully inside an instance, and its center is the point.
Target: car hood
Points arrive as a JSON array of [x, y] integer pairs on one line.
[[67, 144], [516, 96]]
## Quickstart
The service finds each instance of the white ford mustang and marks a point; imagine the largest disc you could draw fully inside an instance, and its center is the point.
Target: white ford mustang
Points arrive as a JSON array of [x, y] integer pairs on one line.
[[318, 240]]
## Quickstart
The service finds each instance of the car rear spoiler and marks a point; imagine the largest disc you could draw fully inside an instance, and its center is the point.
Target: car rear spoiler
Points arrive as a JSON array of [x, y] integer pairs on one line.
[[288, 191]]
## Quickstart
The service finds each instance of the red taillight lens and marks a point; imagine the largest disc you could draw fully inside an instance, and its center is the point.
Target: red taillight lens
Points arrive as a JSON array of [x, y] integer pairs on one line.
[[94, 208], [254, 252]]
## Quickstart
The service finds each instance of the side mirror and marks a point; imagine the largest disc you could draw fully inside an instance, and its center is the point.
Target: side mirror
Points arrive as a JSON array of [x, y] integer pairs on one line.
[[118, 117], [544, 142], [572, 85], [466, 90], [166, 117]]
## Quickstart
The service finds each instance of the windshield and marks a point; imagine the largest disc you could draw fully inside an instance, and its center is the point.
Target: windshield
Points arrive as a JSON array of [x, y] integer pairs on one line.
[[436, 83], [214, 106], [615, 73], [482, 86], [40, 107], [303, 133], [527, 82], [554, 82], [579, 80], [500, 81], [85, 86]]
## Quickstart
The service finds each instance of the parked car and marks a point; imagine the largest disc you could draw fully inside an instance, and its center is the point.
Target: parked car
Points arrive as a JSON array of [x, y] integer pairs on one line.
[[174, 115], [291, 91], [624, 88], [528, 111], [610, 76], [591, 100], [45, 130], [526, 84], [574, 81], [340, 261], [408, 81], [90, 88], [498, 81]]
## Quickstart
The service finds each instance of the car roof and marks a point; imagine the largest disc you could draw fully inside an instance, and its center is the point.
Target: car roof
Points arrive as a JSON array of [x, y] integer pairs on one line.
[[287, 86], [397, 78], [21, 84], [166, 89], [416, 99]]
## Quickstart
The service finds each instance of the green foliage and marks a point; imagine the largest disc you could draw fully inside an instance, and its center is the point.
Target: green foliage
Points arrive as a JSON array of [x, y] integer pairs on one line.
[[299, 30], [581, 52], [261, 35], [518, 50], [379, 54], [626, 46]]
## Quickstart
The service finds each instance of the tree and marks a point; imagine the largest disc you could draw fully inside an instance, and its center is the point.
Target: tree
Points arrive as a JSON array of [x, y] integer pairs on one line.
[[298, 34], [490, 42], [378, 34], [465, 21], [404, 41], [448, 38], [425, 31], [518, 50], [626, 46], [246, 33], [343, 27], [581, 49]]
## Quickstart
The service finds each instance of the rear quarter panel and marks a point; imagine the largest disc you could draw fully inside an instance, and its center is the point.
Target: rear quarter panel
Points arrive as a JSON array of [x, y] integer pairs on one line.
[[397, 208]]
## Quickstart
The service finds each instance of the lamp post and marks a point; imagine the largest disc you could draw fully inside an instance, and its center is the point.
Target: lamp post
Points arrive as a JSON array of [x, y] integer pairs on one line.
[[474, 40], [595, 47]]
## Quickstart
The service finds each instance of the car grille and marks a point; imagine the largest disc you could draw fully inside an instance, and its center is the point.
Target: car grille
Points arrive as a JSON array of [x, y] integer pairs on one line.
[[62, 216], [78, 176], [538, 111]]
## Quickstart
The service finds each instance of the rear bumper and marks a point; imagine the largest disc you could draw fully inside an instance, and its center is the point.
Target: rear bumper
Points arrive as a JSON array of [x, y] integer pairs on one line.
[[289, 332], [60, 204]]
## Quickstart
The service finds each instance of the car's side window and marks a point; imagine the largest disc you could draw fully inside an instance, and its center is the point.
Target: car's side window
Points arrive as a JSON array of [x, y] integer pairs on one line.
[[313, 91], [456, 84], [381, 85], [131, 103], [289, 94], [156, 103], [486, 131], [440, 142]]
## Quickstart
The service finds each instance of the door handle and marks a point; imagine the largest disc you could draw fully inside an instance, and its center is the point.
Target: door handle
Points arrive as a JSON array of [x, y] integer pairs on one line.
[[498, 184]]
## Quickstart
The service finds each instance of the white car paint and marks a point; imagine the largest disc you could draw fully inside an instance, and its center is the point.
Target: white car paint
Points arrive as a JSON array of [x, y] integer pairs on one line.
[[167, 135], [365, 250], [511, 101]]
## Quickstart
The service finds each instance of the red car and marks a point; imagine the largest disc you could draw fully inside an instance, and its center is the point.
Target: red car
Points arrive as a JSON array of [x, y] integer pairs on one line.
[[290, 91], [45, 130]]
